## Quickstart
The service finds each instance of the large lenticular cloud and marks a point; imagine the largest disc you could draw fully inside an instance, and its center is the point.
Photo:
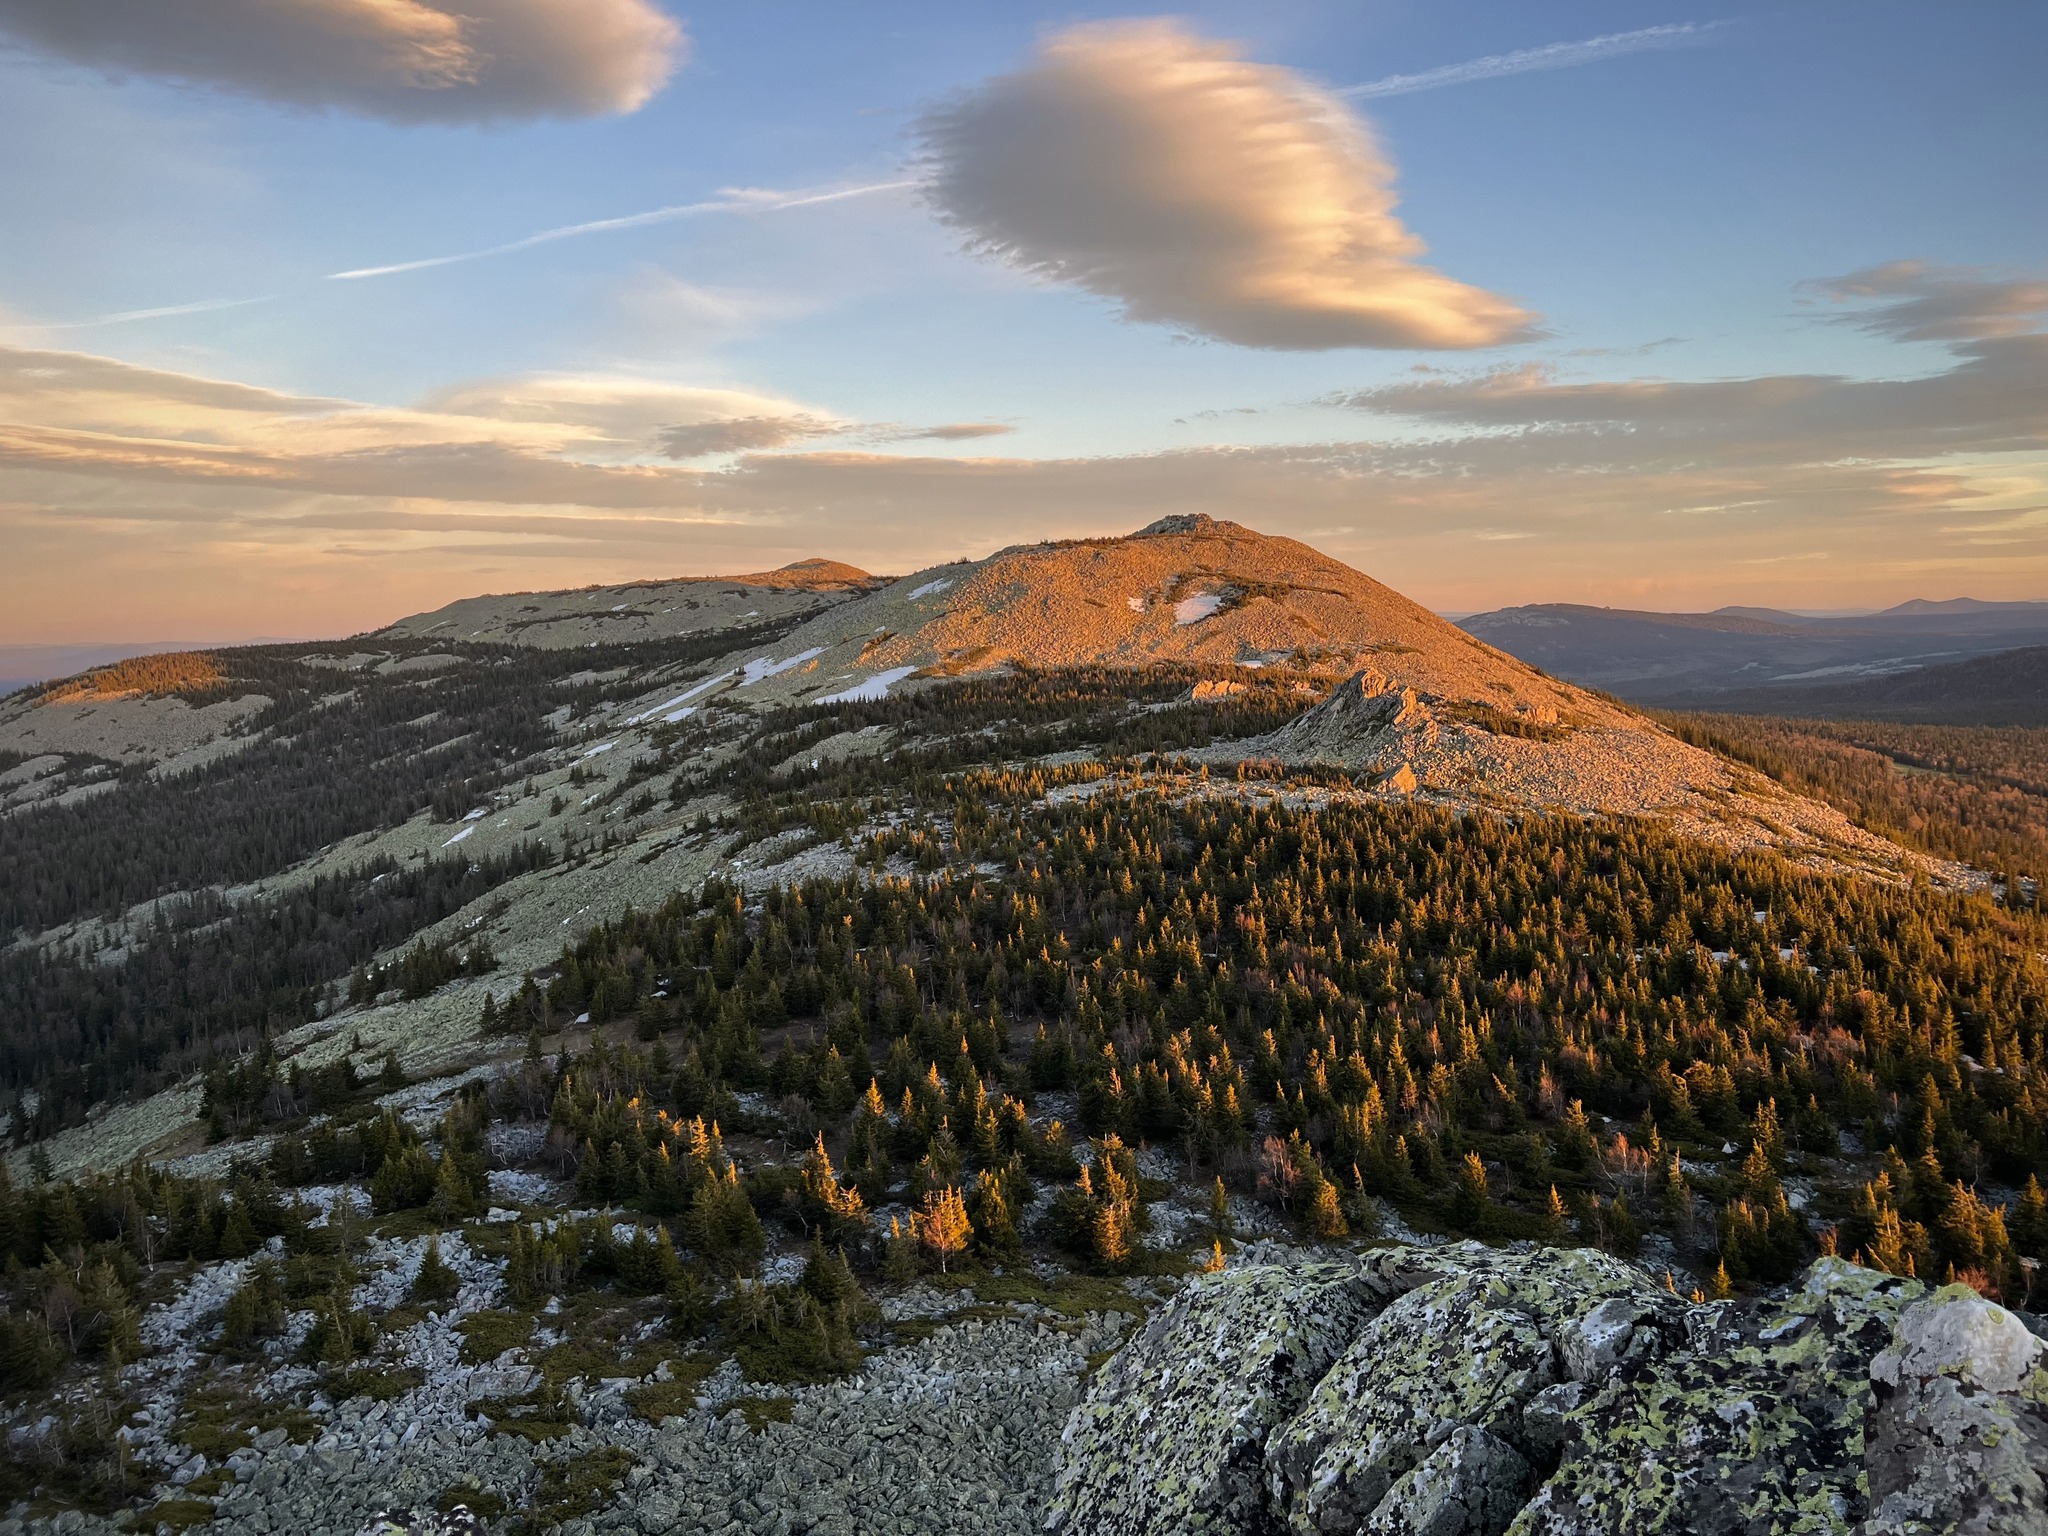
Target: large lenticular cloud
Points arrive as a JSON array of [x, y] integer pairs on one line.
[[1199, 190], [448, 60]]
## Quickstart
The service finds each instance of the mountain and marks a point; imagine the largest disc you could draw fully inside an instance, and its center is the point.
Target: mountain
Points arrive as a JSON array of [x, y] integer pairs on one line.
[[1954, 606], [1669, 658], [2004, 688], [572, 746]]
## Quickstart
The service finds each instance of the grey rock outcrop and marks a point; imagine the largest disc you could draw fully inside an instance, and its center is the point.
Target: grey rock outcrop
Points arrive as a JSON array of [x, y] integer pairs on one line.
[[1475, 1392], [1172, 1434], [1959, 1438], [1420, 1423]]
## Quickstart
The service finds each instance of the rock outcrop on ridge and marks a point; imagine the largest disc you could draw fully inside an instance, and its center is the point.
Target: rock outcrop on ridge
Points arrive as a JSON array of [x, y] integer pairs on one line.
[[1467, 1391], [1592, 759]]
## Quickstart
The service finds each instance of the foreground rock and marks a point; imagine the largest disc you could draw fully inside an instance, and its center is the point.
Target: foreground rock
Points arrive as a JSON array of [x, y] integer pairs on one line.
[[1463, 1391]]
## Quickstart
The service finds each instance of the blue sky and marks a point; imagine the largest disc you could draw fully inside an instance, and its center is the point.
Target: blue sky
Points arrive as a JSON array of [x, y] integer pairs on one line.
[[1668, 207]]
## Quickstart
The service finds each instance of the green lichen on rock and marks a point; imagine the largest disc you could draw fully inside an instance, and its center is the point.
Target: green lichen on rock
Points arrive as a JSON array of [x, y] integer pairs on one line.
[[1172, 1435], [1756, 1428], [1456, 1358], [1467, 1391]]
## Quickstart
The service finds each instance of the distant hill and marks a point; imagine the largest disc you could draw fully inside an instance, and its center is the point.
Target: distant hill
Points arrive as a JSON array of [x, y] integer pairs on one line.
[[22, 665], [1684, 658], [2005, 688], [639, 611]]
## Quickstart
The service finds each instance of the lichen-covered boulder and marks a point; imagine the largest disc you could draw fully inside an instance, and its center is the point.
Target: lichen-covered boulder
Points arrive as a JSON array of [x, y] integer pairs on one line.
[[1958, 1437], [1472, 1481], [1465, 1391], [1755, 1429], [1171, 1437], [1420, 1423]]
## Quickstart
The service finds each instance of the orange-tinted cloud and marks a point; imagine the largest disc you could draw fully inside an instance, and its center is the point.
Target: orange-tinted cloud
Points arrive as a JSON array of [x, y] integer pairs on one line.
[[142, 501], [1199, 190], [478, 60]]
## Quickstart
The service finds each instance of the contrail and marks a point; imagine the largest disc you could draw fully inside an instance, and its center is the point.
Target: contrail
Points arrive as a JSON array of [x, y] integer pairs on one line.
[[121, 316], [1525, 60], [731, 202]]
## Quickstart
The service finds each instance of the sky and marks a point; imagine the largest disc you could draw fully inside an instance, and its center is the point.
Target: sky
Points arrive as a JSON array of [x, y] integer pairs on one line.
[[315, 313]]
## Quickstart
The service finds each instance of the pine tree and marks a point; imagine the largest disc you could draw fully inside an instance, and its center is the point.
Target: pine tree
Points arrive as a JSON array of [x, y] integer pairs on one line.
[[1557, 1227], [1323, 1215], [943, 1226], [434, 1281]]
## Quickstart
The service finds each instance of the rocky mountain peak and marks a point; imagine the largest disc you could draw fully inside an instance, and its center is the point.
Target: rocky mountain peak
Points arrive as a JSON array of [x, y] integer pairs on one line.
[[1188, 522]]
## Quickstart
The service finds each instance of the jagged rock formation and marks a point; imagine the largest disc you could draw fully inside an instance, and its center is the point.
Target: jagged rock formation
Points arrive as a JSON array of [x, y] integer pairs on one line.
[[1559, 1393], [1591, 757]]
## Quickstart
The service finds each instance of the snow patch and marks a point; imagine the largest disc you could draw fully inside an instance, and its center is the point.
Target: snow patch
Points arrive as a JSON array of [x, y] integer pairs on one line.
[[876, 687], [761, 667], [1192, 610], [602, 746], [675, 715], [458, 837], [1135, 604], [931, 587], [682, 698], [478, 814]]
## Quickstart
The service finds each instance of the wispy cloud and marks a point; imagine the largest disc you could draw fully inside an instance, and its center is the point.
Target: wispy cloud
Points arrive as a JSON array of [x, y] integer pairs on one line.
[[738, 201], [1527, 60]]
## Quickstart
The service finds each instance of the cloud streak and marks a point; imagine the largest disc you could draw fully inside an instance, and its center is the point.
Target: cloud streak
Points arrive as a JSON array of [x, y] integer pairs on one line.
[[124, 316], [1199, 190], [736, 201], [1522, 61], [407, 60]]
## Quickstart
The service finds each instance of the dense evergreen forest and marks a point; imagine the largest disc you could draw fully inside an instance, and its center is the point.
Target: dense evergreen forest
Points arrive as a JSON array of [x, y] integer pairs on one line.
[[1974, 793], [205, 979], [212, 980], [1496, 1026]]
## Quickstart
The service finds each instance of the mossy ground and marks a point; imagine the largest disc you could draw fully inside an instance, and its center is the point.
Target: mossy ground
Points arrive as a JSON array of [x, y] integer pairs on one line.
[[487, 1335], [577, 1486], [760, 1412]]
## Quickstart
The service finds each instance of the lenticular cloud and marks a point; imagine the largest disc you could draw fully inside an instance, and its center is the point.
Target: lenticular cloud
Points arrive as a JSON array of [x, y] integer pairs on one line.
[[413, 60], [1200, 190]]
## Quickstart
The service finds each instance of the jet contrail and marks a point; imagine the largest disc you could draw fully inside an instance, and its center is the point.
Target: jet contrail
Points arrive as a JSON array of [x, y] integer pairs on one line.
[[1524, 60], [731, 202], [121, 316]]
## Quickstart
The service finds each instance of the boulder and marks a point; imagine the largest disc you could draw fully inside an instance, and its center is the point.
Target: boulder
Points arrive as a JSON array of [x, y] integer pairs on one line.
[[1473, 1337], [1466, 1391], [1173, 1432], [1958, 1437]]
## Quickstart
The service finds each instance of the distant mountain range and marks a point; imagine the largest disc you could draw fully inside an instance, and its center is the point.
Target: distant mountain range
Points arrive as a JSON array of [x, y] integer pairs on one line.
[[2004, 688], [1763, 655]]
